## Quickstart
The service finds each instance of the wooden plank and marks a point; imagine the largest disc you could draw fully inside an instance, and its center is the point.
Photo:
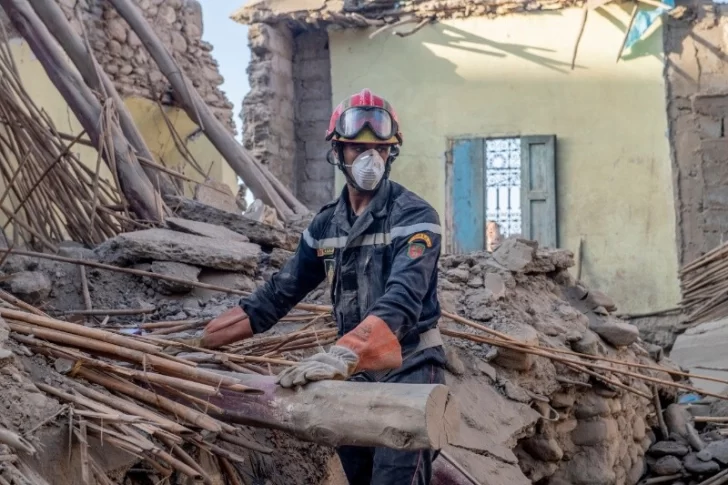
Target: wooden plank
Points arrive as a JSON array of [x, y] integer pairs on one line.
[[468, 195], [538, 189]]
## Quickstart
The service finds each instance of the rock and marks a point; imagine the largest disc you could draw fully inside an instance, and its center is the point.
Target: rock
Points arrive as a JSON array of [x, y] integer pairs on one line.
[[30, 286], [636, 472], [615, 332], [475, 282], [588, 344], [590, 433], [591, 405], [454, 364], [4, 331], [719, 451], [6, 357], [677, 420], [668, 448], [514, 254], [458, 275], [495, 284], [279, 257], [512, 359], [639, 430], [176, 270], [704, 455], [516, 392], [166, 245], [596, 298], [546, 449], [694, 464], [116, 29], [667, 465], [562, 400], [204, 229]]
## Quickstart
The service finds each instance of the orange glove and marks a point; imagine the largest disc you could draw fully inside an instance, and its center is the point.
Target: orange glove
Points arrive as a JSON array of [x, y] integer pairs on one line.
[[375, 344], [232, 326]]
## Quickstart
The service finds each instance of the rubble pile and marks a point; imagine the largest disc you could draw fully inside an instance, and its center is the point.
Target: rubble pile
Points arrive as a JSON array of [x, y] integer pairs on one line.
[[566, 427], [551, 398]]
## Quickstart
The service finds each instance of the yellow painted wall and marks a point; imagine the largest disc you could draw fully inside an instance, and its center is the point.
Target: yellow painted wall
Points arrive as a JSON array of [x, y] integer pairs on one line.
[[147, 116], [511, 76]]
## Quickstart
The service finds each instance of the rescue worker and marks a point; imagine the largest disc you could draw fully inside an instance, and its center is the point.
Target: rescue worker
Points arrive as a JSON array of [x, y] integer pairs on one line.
[[378, 245]]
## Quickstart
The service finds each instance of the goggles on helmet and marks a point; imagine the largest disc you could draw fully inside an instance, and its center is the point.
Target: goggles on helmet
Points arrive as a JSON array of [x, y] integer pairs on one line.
[[354, 120]]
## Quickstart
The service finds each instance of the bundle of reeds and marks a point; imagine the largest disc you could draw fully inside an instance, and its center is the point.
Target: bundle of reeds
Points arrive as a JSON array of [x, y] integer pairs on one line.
[[704, 285]]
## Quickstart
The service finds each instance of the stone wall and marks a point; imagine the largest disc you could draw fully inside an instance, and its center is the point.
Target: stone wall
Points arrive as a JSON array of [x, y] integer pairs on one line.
[[268, 109], [121, 54], [696, 47], [312, 85]]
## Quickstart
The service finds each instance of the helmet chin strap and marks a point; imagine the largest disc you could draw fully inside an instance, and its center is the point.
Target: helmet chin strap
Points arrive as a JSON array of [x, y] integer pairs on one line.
[[337, 153]]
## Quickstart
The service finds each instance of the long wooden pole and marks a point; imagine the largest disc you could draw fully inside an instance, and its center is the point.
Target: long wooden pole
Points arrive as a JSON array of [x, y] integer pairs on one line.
[[55, 21], [334, 413], [135, 185], [252, 173]]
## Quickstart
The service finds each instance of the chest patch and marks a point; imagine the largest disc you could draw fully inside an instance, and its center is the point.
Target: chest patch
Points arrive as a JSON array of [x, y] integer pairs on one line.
[[321, 252], [421, 236], [330, 267], [415, 250]]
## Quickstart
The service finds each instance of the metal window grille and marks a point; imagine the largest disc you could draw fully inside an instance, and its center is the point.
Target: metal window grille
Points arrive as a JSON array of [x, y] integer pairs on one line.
[[503, 185]]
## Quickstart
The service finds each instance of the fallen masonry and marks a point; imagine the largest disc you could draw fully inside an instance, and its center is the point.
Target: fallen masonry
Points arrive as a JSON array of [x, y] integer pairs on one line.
[[550, 386]]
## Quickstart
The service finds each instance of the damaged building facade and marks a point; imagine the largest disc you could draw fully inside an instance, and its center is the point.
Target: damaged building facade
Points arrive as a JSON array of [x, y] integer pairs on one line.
[[499, 126], [168, 132]]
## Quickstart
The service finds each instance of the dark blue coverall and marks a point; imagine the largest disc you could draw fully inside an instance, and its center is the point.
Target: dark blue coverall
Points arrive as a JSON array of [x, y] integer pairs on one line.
[[383, 263]]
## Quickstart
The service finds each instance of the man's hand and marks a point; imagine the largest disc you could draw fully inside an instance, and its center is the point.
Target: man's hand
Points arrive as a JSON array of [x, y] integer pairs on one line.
[[336, 364], [231, 326]]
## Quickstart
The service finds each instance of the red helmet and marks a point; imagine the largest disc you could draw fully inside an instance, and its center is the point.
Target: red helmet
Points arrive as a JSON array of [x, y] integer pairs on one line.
[[364, 110]]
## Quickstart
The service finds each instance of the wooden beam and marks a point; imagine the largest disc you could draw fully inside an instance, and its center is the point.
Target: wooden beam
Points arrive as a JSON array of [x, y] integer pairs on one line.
[[258, 178], [335, 413], [55, 21], [133, 182]]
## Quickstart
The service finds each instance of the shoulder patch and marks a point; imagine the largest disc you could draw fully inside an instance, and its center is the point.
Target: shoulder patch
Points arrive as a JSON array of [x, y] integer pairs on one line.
[[415, 250], [421, 236]]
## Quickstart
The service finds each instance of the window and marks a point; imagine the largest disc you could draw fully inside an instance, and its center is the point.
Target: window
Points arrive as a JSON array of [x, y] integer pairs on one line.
[[501, 187]]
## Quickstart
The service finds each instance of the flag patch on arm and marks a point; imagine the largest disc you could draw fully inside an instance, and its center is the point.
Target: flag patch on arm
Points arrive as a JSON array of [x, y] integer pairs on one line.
[[415, 250]]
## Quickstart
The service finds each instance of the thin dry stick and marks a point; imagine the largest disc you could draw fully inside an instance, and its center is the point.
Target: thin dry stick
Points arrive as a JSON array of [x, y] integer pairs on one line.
[[658, 410]]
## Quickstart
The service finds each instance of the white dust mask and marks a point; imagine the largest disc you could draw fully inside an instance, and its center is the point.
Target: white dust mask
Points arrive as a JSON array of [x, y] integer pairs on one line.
[[368, 169]]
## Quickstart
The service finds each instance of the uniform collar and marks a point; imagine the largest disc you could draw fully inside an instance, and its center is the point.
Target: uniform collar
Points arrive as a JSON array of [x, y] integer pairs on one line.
[[377, 208]]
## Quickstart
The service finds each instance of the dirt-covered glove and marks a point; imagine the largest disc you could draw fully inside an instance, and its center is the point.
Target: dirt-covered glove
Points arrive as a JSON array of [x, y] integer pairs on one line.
[[336, 364]]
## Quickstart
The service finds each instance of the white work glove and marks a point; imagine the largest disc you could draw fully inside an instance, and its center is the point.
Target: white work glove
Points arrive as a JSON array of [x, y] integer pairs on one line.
[[336, 364]]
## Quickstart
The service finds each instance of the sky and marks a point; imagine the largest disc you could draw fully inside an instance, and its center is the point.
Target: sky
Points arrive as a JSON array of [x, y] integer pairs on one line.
[[230, 48]]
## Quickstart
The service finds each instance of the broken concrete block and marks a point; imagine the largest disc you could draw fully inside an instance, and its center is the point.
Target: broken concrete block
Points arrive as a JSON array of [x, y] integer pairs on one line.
[[225, 279], [204, 229], [513, 359], [176, 270], [166, 245], [495, 284], [218, 195], [615, 332], [514, 254], [719, 451], [30, 286], [458, 275]]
